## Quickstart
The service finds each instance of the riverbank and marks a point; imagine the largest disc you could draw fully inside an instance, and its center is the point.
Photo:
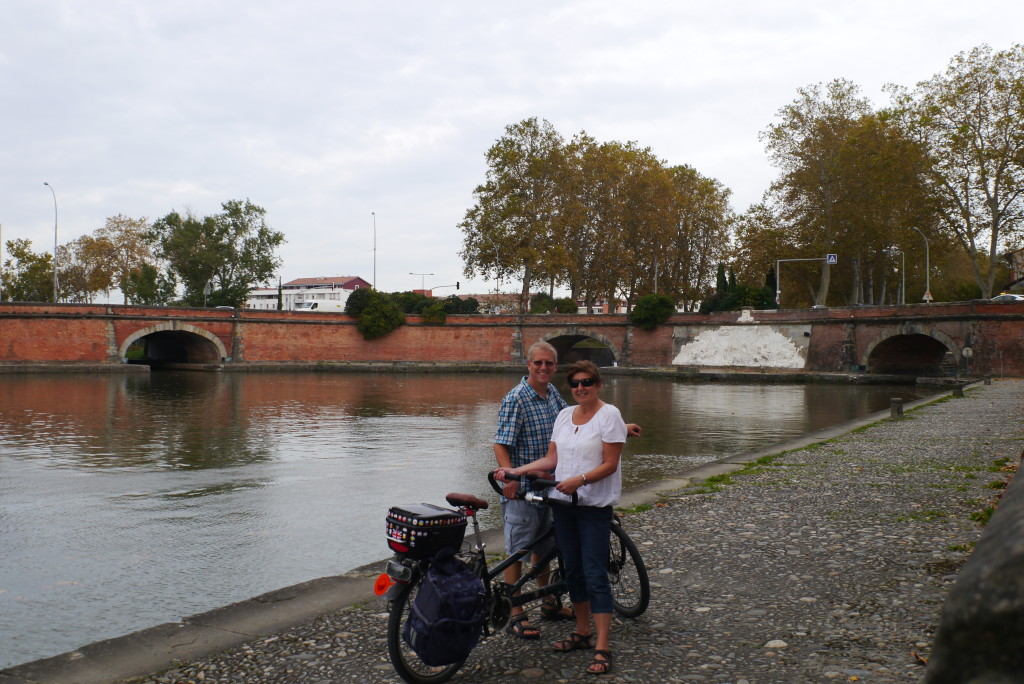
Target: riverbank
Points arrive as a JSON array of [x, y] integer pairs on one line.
[[826, 563]]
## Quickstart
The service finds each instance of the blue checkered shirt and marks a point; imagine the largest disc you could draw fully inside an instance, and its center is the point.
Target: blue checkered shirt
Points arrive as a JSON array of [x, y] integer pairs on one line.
[[525, 421]]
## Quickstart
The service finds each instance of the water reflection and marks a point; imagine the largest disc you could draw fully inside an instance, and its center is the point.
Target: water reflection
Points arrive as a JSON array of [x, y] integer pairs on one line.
[[126, 501]]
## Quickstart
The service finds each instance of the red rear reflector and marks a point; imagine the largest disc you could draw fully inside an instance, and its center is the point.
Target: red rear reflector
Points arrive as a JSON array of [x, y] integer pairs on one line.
[[382, 584], [401, 548]]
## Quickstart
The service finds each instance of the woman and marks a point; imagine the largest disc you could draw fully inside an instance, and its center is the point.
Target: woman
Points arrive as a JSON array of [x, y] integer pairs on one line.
[[586, 445]]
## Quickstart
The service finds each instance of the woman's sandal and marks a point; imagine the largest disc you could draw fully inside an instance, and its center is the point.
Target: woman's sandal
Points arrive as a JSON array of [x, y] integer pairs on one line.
[[600, 667], [575, 642], [554, 611], [517, 628]]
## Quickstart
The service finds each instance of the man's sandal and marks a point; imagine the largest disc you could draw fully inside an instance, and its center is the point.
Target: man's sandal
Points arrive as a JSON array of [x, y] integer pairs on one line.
[[603, 666], [554, 611], [517, 628], [575, 642]]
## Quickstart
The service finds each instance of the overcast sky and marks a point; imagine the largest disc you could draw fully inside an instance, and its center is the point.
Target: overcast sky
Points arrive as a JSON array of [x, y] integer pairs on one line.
[[323, 112]]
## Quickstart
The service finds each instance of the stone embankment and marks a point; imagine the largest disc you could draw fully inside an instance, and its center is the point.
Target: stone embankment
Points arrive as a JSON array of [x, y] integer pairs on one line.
[[829, 562]]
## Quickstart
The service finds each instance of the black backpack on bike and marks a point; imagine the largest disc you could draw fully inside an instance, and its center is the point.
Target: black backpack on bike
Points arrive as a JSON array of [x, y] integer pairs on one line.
[[446, 618]]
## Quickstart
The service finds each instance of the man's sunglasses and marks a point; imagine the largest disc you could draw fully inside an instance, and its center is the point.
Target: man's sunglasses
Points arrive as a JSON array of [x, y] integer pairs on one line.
[[586, 382], [538, 364]]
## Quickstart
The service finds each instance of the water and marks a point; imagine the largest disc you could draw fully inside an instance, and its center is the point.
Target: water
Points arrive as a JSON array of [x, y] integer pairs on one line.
[[128, 501]]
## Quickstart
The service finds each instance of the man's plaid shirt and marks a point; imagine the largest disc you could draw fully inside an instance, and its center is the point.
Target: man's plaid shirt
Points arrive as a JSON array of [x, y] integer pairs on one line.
[[525, 421]]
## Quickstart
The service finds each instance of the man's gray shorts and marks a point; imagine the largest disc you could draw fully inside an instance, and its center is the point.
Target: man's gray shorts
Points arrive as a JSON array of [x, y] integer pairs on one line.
[[524, 522]]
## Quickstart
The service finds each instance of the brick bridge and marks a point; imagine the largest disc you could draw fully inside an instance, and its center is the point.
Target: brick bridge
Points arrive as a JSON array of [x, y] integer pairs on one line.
[[978, 337]]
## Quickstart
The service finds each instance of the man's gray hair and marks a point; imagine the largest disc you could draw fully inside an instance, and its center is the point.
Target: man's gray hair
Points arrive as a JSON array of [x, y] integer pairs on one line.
[[544, 346]]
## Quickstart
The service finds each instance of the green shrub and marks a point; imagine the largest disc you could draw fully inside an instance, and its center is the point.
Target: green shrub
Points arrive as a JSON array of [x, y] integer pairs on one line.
[[652, 310], [379, 316], [566, 305], [435, 314], [357, 301]]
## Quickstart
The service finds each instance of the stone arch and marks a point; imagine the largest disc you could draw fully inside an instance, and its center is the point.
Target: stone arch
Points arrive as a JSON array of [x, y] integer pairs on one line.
[[911, 349], [565, 340], [177, 342]]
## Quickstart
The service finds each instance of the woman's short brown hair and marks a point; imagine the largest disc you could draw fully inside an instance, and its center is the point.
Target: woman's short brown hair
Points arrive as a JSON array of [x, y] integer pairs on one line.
[[583, 367]]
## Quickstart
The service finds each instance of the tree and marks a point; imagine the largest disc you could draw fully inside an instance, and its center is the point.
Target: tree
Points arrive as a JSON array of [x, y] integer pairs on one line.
[[27, 276], [233, 251], [805, 144], [971, 119], [147, 285], [698, 237], [510, 228], [122, 248]]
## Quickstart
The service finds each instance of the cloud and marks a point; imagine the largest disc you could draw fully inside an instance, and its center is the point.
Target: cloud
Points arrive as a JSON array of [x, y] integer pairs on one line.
[[322, 112]]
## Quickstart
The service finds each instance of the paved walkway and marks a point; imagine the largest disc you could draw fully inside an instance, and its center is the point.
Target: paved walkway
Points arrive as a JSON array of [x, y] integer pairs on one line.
[[828, 563]]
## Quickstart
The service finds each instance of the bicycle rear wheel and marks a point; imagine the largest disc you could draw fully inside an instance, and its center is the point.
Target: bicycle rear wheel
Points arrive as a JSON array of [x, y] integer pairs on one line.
[[407, 664], [631, 588]]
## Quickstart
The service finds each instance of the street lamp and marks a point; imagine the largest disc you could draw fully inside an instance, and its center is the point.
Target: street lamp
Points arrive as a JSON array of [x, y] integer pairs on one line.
[[903, 274], [54, 240], [423, 280], [374, 214], [927, 269]]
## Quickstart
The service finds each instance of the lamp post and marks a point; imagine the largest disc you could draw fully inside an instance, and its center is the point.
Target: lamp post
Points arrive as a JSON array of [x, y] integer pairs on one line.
[[374, 215], [423, 280], [54, 240], [927, 268], [903, 274]]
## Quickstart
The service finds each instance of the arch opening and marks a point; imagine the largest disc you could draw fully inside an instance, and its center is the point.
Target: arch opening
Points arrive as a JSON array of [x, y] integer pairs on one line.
[[572, 348], [908, 354], [169, 344]]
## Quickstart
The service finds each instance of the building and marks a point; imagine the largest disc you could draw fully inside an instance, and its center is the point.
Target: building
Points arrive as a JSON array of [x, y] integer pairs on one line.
[[327, 293]]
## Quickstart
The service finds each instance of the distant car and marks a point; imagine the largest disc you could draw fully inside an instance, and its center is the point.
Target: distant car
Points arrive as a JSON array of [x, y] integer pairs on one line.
[[1008, 297]]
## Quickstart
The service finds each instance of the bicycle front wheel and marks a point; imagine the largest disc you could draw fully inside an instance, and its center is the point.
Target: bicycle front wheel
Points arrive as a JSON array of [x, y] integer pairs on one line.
[[631, 588], [407, 664]]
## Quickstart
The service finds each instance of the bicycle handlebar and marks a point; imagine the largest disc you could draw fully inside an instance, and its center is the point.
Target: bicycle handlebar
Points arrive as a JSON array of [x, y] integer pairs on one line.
[[537, 482]]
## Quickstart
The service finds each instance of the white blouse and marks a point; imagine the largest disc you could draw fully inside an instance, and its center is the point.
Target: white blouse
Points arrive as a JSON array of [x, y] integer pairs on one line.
[[581, 449]]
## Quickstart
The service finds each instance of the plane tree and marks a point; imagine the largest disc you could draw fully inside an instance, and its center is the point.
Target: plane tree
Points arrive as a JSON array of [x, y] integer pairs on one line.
[[971, 121], [218, 258]]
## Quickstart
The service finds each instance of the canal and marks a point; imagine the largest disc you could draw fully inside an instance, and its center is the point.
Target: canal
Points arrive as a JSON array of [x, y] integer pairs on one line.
[[131, 500]]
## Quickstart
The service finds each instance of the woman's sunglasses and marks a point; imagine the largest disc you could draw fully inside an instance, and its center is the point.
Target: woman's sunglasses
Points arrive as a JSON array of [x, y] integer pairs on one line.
[[586, 382]]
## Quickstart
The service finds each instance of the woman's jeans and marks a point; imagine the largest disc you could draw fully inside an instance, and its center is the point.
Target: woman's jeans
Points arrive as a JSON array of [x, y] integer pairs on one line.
[[583, 533]]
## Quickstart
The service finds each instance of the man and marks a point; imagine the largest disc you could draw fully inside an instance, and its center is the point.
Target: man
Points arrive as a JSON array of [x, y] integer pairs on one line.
[[525, 420]]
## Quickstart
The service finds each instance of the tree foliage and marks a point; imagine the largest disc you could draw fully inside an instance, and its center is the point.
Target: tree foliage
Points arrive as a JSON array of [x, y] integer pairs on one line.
[[510, 228], [147, 285], [971, 121], [606, 220], [233, 251], [27, 276]]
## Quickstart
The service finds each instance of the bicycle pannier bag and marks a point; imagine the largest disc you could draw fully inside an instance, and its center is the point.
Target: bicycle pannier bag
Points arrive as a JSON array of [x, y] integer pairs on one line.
[[446, 618]]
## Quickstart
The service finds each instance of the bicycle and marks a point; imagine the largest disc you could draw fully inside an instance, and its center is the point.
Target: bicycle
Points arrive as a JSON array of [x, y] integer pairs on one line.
[[399, 584]]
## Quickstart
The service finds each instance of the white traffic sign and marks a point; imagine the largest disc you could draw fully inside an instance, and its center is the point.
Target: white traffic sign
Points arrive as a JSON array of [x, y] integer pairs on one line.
[[927, 296]]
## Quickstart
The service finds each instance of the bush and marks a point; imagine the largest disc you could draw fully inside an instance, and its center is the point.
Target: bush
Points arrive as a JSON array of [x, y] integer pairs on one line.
[[541, 303], [379, 316], [566, 305], [435, 314], [357, 301], [469, 306], [652, 310]]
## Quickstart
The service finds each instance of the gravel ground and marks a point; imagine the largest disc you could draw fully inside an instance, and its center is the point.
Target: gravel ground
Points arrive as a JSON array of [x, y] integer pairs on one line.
[[829, 563]]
